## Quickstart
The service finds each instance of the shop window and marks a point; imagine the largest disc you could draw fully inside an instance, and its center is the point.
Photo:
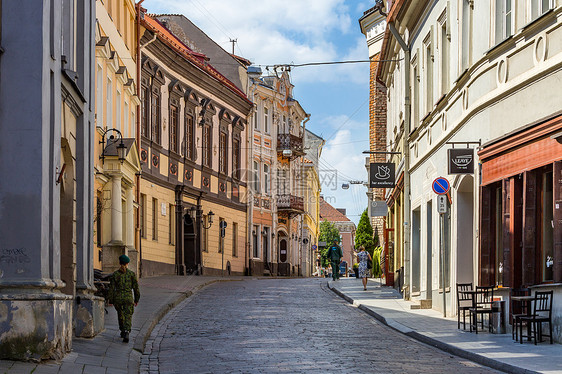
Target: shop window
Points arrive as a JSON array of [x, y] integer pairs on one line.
[[235, 239]]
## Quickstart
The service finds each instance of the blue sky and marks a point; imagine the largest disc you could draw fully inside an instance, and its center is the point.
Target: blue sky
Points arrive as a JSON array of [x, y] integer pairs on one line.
[[301, 31]]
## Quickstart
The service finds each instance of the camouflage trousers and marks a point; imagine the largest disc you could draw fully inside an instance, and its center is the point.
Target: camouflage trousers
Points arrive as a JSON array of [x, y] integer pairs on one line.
[[124, 315]]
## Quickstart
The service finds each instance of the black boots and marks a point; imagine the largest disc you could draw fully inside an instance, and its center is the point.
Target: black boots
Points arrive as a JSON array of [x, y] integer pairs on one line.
[[125, 337]]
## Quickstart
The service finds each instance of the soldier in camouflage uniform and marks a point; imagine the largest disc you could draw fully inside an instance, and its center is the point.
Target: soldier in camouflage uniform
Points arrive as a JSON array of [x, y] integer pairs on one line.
[[123, 284]]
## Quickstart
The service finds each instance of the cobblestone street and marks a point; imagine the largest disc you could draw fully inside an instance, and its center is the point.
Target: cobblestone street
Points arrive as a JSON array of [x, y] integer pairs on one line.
[[284, 325]]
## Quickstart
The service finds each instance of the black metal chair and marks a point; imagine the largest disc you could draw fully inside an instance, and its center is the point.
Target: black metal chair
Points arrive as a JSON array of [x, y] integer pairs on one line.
[[542, 313], [464, 303], [517, 309], [482, 305]]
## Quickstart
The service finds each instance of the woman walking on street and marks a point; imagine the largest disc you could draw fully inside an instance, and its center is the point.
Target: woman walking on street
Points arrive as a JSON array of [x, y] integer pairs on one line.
[[363, 256]]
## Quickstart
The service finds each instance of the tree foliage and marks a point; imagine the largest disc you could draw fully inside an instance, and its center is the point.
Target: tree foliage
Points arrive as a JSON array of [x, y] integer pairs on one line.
[[328, 233], [364, 234]]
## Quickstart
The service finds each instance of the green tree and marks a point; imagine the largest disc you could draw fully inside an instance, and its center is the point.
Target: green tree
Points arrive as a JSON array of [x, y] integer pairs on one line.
[[364, 234], [328, 233]]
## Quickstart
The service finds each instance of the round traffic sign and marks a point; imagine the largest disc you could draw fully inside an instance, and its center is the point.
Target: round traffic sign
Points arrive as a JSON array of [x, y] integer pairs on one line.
[[440, 186]]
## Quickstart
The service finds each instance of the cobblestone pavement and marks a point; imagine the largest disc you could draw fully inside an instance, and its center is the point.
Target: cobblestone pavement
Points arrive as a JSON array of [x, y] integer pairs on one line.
[[284, 326]]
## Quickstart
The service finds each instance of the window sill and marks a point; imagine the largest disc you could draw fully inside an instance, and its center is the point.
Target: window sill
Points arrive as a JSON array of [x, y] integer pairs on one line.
[[538, 19]]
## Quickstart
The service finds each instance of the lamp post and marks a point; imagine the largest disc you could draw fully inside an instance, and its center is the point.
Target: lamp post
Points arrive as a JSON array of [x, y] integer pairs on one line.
[[121, 148]]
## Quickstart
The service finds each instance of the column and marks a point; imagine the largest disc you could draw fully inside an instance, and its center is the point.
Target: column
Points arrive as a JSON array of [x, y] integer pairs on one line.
[[116, 214]]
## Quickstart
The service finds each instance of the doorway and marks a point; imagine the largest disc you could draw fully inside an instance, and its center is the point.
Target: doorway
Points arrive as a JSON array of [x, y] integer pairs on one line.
[[67, 220], [465, 230], [429, 251], [189, 247]]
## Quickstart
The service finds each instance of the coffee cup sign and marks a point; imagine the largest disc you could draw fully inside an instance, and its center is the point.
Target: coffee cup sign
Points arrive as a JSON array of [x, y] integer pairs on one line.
[[382, 175]]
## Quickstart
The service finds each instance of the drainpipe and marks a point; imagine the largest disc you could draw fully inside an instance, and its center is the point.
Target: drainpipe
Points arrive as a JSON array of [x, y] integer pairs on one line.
[[406, 149], [249, 190], [138, 124]]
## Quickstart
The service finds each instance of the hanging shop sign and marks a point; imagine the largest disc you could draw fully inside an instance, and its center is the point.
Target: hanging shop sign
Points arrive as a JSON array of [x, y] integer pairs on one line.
[[461, 160], [382, 175]]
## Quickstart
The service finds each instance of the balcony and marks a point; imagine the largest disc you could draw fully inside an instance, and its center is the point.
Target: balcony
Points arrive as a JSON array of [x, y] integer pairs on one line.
[[290, 145], [290, 204]]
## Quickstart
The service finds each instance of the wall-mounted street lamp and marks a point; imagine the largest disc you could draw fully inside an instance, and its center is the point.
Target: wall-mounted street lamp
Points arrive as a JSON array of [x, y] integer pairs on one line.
[[121, 148], [193, 214]]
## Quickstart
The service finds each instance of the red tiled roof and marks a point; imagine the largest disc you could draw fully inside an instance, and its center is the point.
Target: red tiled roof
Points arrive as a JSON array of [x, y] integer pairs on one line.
[[331, 214], [198, 59]]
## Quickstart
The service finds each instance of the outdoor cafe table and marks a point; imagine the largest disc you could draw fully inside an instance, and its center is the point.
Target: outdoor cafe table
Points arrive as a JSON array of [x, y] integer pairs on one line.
[[524, 301]]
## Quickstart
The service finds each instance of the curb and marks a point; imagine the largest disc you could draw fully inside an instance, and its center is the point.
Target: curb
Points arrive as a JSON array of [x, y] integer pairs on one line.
[[483, 360]]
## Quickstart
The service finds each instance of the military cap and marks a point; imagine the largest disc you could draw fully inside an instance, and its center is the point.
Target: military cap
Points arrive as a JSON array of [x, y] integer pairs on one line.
[[124, 259]]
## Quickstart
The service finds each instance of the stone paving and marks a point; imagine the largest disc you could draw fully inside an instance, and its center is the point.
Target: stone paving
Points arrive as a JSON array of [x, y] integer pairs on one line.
[[106, 353], [495, 350], [284, 326]]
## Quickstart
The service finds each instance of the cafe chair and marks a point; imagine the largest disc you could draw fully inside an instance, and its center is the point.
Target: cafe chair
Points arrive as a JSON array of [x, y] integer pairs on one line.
[[482, 305], [542, 313], [464, 303], [517, 309]]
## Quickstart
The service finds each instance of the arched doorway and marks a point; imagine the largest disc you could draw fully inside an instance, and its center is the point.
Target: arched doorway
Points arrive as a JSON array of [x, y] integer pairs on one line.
[[283, 267], [465, 230], [67, 220], [189, 247]]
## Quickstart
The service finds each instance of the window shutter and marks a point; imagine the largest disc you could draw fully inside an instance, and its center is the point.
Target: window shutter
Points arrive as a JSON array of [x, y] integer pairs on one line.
[[557, 218], [506, 235], [529, 228], [486, 243]]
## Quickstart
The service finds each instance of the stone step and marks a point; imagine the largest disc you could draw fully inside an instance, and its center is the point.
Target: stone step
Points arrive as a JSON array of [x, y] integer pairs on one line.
[[421, 304]]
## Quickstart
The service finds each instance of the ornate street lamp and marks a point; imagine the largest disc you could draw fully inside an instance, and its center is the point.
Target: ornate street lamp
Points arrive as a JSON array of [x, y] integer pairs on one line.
[[121, 148]]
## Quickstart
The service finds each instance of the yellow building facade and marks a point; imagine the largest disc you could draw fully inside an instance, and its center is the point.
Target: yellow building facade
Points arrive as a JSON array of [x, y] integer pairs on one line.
[[116, 161], [193, 203]]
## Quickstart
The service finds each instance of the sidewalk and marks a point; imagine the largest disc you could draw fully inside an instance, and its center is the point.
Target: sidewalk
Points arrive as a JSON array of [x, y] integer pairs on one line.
[[497, 351], [106, 353]]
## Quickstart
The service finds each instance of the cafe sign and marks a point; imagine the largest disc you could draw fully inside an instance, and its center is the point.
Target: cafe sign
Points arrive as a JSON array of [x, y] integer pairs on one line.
[[461, 160], [382, 175]]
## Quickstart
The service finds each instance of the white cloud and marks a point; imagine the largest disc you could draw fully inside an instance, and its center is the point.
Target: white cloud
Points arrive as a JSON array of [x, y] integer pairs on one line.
[[276, 32]]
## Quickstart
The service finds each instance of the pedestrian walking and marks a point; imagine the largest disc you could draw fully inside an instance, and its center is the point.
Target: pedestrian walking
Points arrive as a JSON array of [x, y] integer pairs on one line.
[[363, 257], [335, 254], [121, 288]]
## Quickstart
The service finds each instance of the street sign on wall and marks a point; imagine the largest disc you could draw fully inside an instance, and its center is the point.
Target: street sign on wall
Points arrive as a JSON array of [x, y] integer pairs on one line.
[[382, 175], [461, 160]]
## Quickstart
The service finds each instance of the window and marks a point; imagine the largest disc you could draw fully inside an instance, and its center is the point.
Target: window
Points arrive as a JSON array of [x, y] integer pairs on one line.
[[221, 239], [445, 48], [207, 146], [133, 124], [109, 103], [416, 97], [154, 219], [155, 116], [118, 111], [266, 178], [266, 120], [235, 239], [504, 19], [145, 102], [428, 77], [204, 234], [171, 225], [174, 120], [143, 216], [255, 252], [223, 153], [99, 98], [282, 187], [126, 123], [236, 158], [539, 7], [189, 136], [256, 177], [256, 123]]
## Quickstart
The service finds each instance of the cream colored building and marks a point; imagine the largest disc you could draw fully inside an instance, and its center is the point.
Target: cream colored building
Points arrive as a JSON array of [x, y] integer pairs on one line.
[[115, 207], [484, 76], [193, 133]]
